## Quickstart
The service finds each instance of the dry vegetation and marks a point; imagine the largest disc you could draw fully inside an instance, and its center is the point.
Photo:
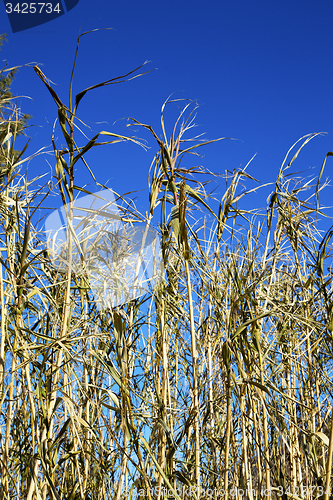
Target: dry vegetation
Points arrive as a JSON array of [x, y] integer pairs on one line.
[[220, 378]]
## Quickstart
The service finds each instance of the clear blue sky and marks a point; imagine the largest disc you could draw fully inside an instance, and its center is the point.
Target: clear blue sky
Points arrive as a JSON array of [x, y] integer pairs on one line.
[[261, 70]]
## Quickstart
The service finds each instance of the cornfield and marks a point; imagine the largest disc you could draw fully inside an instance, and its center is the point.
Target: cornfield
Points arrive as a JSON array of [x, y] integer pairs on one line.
[[216, 383]]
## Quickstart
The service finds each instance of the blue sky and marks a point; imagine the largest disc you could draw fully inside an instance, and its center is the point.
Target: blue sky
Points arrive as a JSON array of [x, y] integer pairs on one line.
[[261, 71]]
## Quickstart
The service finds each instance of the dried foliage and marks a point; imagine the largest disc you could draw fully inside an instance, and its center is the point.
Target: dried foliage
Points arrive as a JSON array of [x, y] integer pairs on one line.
[[220, 378]]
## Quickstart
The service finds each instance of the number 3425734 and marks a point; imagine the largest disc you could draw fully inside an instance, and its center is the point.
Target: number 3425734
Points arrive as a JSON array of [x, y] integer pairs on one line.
[[32, 8]]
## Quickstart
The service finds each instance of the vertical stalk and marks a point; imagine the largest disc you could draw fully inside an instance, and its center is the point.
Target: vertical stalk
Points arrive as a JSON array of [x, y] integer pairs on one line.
[[194, 353], [265, 428], [257, 443], [329, 463], [164, 390], [246, 464], [227, 438]]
